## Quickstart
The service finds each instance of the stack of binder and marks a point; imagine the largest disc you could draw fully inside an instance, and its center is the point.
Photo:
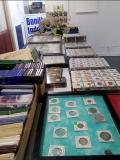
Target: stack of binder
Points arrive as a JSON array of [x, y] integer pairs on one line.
[[14, 109]]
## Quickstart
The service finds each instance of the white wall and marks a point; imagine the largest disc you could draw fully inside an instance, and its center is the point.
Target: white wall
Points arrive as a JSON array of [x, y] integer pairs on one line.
[[102, 28], [16, 17], [3, 25]]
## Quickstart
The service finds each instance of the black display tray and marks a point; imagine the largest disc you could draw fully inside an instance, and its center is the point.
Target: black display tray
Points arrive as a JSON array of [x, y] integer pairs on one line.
[[91, 157]]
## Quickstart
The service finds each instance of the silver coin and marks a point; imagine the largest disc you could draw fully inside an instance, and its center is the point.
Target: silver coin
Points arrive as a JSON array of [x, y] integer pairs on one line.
[[54, 117], [72, 113], [60, 132], [56, 151], [71, 103], [54, 100], [55, 109], [99, 117]]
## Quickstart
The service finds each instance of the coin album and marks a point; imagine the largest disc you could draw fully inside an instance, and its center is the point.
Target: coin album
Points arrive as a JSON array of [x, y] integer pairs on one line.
[[87, 63], [65, 128], [95, 79], [83, 52]]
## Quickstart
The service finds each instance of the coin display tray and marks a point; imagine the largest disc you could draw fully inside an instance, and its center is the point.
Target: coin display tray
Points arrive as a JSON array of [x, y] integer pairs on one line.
[[77, 45], [84, 52], [95, 79], [65, 136], [87, 63]]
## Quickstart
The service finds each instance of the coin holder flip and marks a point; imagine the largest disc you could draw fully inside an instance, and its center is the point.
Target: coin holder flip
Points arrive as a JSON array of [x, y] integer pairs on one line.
[[105, 136], [89, 101], [70, 104], [92, 110], [56, 150], [60, 132], [54, 109], [83, 142], [53, 117], [99, 117], [72, 113], [54, 101], [80, 126]]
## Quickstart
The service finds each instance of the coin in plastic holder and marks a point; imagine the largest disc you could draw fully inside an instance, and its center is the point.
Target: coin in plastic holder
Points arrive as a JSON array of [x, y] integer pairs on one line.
[[92, 110], [54, 101], [54, 109], [70, 104], [72, 113], [99, 117], [105, 136], [53, 117], [56, 150], [82, 142], [60, 132], [89, 101], [80, 126]]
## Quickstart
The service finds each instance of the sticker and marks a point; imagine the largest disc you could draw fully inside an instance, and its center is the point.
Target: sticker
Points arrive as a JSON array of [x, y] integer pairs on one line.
[[54, 101], [54, 109], [99, 117], [82, 142], [56, 150], [70, 104], [53, 117], [89, 101], [92, 110], [105, 136], [80, 126], [60, 132], [72, 113]]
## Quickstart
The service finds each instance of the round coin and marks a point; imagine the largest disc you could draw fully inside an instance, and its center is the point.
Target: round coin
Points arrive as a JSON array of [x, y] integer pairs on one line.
[[54, 117], [60, 132], [71, 103], [92, 110], [80, 125], [106, 136], [99, 117], [54, 100], [55, 109], [83, 141], [56, 151], [72, 113]]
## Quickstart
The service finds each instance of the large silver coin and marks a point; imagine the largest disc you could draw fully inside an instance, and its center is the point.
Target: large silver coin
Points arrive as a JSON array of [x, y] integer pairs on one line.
[[71, 103], [83, 141], [99, 117], [105, 136], [60, 132], [56, 151]]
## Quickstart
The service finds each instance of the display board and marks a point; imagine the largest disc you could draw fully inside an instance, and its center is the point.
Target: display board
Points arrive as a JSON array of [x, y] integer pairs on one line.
[[67, 129]]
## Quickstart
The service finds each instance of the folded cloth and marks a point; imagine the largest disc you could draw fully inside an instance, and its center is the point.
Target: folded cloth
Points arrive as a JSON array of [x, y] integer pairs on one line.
[[12, 111], [11, 130], [7, 149], [11, 140], [12, 120], [8, 156]]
